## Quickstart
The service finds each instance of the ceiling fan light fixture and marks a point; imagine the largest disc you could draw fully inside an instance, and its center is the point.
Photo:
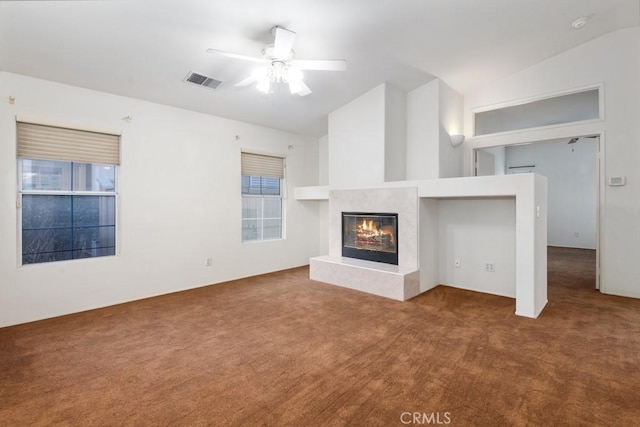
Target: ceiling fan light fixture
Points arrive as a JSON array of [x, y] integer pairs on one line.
[[264, 85], [262, 76], [279, 65], [278, 72], [293, 75], [260, 73], [295, 87]]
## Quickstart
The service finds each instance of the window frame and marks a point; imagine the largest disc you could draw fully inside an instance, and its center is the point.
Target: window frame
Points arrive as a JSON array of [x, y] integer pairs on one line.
[[254, 164], [22, 192], [527, 100], [261, 219]]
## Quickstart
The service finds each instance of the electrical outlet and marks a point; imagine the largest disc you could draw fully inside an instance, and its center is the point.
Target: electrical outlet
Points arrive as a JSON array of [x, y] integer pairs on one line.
[[576, 234], [208, 262], [490, 267], [457, 263]]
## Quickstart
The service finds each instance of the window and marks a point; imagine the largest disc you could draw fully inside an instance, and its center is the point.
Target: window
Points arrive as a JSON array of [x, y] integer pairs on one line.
[[68, 206], [560, 109], [261, 197]]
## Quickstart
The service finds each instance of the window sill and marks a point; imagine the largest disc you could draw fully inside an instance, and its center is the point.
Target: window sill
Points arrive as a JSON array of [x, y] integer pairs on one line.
[[251, 242]]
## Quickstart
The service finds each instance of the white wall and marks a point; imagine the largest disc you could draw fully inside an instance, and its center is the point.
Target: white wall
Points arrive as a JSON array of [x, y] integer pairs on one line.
[[323, 226], [395, 134], [434, 112], [485, 163], [429, 244], [614, 61], [571, 171], [323, 160], [450, 118], [179, 202], [476, 232], [367, 139], [423, 111], [498, 154], [323, 206], [357, 141]]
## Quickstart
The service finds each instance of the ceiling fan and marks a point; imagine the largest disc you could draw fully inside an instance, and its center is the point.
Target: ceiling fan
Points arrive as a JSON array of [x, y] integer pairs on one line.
[[574, 140], [279, 64]]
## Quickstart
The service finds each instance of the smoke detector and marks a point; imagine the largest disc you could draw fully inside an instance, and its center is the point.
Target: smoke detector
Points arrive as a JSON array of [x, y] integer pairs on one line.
[[579, 23]]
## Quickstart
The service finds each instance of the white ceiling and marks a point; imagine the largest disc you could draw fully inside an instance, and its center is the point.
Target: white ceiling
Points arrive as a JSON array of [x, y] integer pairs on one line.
[[145, 48]]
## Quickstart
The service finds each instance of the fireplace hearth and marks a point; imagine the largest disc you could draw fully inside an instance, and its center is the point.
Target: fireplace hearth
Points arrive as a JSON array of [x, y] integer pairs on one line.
[[370, 236]]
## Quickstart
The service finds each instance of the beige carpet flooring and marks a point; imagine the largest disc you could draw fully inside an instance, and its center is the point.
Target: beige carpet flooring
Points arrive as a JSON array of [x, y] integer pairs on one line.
[[281, 349]]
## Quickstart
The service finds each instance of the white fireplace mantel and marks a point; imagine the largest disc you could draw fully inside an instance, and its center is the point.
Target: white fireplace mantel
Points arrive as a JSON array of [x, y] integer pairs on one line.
[[417, 255]]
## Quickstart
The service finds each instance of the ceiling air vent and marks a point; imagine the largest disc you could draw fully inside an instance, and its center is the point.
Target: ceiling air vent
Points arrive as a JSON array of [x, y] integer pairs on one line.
[[202, 80]]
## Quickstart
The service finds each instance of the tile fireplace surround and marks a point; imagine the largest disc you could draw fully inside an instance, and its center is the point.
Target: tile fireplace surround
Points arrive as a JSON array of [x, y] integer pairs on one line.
[[399, 282]]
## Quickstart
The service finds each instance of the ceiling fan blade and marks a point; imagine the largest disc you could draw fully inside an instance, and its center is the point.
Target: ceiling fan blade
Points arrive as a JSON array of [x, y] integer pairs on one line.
[[283, 43], [304, 89], [245, 82], [234, 55], [320, 64]]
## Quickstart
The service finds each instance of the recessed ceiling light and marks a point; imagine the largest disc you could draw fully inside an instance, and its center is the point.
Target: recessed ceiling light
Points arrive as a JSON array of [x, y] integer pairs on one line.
[[579, 23]]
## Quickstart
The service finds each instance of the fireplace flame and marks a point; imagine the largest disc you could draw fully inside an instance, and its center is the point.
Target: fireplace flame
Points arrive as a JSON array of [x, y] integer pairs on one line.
[[368, 229], [368, 226]]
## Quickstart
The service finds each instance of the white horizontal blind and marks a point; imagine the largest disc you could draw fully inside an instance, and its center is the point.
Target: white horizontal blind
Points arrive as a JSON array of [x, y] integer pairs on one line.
[[55, 143], [262, 165]]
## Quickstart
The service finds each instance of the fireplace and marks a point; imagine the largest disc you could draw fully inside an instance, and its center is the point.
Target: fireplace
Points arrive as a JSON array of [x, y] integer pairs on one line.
[[370, 236]]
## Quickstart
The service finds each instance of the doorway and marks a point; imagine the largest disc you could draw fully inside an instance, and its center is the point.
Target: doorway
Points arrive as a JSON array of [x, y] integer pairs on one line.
[[572, 167]]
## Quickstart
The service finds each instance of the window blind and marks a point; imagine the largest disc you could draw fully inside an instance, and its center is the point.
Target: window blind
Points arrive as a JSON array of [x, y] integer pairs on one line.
[[262, 165], [55, 143]]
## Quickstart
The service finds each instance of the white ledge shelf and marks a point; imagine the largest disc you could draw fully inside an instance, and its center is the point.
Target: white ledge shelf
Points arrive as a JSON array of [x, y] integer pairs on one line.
[[312, 193]]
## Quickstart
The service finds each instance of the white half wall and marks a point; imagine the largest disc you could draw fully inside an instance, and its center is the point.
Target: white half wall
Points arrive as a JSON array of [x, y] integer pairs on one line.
[[179, 202]]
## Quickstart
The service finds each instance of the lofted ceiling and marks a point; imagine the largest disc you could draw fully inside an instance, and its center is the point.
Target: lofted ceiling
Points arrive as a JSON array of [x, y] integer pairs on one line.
[[145, 48]]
